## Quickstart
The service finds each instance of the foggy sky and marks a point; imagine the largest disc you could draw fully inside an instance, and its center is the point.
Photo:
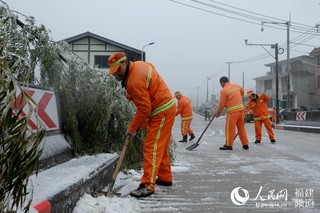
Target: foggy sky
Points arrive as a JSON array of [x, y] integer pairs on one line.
[[190, 44]]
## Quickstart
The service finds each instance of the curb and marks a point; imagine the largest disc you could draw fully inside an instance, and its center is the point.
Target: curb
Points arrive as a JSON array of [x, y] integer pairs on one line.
[[69, 181], [312, 129]]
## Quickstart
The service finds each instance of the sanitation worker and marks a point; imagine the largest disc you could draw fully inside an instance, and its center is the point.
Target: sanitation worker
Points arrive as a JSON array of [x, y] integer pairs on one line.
[[185, 110], [259, 108], [156, 110], [231, 100]]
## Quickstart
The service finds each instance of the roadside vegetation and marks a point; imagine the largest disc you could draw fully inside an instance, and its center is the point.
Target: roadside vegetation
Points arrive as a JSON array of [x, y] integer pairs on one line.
[[94, 111]]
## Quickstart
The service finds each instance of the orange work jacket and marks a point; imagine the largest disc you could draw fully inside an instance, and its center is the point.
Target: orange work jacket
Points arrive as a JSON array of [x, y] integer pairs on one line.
[[148, 91], [184, 108], [260, 109], [231, 98]]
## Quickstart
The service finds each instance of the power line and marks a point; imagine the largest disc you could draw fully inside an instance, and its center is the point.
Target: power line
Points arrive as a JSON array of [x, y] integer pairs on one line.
[[198, 8], [303, 52], [295, 27], [309, 45], [256, 13], [308, 32], [230, 11]]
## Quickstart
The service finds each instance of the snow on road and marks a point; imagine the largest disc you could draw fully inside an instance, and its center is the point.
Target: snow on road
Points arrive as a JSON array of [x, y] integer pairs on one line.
[[204, 178]]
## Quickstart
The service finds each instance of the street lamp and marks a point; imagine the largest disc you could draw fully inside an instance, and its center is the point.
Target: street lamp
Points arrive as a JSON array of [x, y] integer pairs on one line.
[[288, 52], [142, 55], [277, 51]]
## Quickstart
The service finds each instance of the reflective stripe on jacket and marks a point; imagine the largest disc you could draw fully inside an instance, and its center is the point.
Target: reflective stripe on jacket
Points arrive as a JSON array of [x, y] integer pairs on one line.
[[148, 91], [231, 98], [260, 109]]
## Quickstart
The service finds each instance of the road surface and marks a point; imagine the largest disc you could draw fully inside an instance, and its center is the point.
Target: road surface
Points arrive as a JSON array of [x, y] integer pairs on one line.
[[280, 177]]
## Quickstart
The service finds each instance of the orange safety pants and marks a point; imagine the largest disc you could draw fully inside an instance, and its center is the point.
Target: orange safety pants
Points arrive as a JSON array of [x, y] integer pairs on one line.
[[185, 127], [233, 120], [156, 159], [258, 128]]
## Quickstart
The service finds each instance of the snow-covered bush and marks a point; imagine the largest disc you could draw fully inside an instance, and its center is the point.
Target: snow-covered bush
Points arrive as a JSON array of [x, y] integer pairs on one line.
[[19, 147], [94, 111]]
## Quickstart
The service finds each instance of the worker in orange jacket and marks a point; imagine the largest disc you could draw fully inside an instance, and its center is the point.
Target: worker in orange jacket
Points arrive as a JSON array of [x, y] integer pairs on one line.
[[231, 99], [185, 110], [156, 110], [259, 108]]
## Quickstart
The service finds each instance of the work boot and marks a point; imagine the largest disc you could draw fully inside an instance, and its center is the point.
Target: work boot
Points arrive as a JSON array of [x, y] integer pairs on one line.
[[257, 141], [225, 147], [273, 140], [141, 191], [184, 139], [245, 147], [163, 183], [192, 137]]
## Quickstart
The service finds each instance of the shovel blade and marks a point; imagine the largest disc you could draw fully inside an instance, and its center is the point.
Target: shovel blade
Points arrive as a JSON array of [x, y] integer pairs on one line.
[[193, 146]]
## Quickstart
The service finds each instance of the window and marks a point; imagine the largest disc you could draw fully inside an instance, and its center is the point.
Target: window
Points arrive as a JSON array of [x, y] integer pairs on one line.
[[268, 84], [101, 61]]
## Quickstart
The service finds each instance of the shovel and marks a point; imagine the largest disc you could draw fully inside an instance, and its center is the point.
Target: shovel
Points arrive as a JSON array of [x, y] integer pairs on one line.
[[116, 171], [195, 145]]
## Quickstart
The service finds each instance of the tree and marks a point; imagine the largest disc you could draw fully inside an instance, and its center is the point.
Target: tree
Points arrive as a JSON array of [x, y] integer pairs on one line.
[[19, 147], [95, 113]]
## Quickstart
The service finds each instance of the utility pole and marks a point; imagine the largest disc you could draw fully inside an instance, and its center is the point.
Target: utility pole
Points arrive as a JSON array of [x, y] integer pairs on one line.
[[288, 63], [275, 46], [213, 95], [208, 78], [197, 96], [277, 83], [288, 67], [229, 70], [243, 86]]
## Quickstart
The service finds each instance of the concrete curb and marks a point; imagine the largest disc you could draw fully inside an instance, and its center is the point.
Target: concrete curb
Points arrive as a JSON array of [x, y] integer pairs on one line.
[[59, 188], [312, 129], [66, 200]]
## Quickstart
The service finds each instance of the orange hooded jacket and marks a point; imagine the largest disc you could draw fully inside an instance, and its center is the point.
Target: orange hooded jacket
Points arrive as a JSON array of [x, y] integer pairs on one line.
[[231, 98], [261, 109], [148, 91], [184, 108]]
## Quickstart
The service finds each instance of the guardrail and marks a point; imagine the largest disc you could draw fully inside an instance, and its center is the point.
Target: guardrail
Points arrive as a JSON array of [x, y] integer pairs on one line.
[[303, 116]]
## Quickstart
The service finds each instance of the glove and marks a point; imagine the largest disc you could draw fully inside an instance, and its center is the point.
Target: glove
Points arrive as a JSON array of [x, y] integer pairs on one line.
[[132, 134], [216, 114]]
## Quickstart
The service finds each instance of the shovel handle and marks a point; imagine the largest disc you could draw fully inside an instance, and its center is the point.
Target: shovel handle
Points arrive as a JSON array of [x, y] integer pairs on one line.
[[119, 163], [205, 129]]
